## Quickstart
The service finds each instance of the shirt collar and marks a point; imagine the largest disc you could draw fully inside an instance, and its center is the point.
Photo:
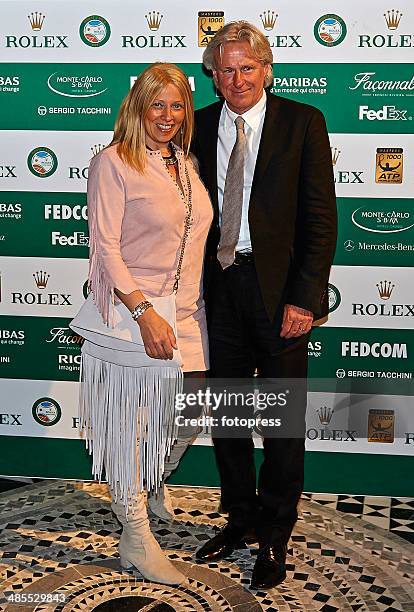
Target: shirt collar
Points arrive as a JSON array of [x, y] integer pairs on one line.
[[252, 117]]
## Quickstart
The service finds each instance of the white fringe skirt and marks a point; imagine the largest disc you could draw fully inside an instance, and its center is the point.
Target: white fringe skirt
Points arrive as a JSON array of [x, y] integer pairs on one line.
[[127, 417]]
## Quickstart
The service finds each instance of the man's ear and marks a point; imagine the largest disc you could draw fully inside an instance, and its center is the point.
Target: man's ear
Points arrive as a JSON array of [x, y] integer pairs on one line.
[[214, 73]]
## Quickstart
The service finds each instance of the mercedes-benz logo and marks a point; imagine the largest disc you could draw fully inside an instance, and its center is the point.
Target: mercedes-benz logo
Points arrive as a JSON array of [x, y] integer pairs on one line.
[[349, 245]]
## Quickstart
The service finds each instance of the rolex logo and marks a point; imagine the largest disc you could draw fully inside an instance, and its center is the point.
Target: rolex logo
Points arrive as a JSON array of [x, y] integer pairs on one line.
[[335, 154], [268, 19], [154, 19], [385, 288], [393, 18], [41, 279], [97, 149], [325, 415], [36, 21]]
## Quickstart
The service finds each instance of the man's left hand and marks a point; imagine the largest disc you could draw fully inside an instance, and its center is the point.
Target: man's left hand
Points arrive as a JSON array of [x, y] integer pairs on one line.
[[296, 321]]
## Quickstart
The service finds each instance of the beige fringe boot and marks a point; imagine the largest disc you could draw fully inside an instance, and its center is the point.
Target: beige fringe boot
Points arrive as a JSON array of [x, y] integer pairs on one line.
[[139, 548]]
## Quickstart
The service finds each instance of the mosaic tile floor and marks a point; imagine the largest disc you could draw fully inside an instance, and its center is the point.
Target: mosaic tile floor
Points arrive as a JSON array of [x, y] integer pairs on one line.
[[61, 537]]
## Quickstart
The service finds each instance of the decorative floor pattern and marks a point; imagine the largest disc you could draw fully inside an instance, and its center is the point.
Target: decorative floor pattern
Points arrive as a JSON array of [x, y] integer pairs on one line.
[[61, 538]]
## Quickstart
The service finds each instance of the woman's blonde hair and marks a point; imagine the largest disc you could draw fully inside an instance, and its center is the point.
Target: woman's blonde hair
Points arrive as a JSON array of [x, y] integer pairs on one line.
[[240, 31], [129, 130]]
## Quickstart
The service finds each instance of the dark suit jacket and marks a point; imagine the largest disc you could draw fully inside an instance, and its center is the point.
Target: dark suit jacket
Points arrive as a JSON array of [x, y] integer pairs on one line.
[[292, 209]]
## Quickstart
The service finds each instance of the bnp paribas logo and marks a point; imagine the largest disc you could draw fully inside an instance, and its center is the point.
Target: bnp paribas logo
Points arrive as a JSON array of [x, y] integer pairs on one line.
[[209, 23], [381, 425], [269, 21], [388, 37], [42, 162], [389, 166], [94, 31], [342, 174], [334, 297], [156, 38], [330, 30], [39, 38]]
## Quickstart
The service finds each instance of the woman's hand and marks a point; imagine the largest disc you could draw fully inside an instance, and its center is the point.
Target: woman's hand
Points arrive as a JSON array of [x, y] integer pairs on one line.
[[158, 335]]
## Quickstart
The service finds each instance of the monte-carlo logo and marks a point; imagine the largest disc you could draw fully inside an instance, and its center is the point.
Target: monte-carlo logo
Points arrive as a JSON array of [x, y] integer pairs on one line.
[[82, 84], [384, 217], [389, 34], [94, 31], [154, 22], [330, 30], [36, 40], [46, 411], [269, 20], [42, 162]]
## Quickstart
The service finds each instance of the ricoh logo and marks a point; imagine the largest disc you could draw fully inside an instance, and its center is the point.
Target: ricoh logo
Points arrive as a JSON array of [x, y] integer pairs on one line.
[[386, 113], [392, 20], [65, 212], [385, 350], [365, 81], [76, 239], [59, 335], [37, 41], [269, 21], [153, 41]]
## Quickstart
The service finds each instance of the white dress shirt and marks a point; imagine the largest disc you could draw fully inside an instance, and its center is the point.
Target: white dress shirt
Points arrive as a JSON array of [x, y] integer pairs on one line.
[[254, 119]]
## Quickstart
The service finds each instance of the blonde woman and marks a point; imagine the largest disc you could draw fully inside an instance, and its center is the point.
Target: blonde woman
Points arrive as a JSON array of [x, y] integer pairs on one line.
[[140, 190]]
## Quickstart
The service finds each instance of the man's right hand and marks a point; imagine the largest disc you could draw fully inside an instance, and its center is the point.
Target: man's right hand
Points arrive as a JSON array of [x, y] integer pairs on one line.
[[158, 335]]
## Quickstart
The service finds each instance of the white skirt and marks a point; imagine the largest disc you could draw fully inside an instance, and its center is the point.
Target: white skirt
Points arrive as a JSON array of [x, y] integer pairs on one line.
[[127, 417]]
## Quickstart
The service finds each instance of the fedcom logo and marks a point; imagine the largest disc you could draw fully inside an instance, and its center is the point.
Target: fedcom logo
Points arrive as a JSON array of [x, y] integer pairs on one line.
[[385, 350], [64, 212], [386, 113]]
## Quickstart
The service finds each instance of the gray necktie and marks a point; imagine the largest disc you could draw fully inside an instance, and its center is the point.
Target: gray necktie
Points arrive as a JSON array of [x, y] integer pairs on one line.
[[232, 199]]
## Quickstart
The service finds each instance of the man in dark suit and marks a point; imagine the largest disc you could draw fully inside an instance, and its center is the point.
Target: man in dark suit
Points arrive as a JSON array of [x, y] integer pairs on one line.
[[266, 162]]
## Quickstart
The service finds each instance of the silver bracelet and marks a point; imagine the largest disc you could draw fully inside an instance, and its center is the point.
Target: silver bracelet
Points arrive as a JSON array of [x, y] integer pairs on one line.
[[140, 309]]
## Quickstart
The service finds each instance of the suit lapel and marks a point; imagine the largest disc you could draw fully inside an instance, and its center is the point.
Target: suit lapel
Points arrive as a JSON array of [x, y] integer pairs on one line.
[[210, 133], [267, 141]]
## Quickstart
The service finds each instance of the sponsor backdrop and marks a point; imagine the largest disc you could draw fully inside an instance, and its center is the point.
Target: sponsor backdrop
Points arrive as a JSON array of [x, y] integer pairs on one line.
[[63, 74]]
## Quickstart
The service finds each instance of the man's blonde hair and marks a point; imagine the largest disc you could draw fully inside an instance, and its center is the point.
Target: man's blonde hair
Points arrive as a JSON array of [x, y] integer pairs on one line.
[[240, 31], [129, 130]]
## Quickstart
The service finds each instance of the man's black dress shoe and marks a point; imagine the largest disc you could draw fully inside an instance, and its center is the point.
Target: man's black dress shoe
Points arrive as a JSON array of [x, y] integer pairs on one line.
[[270, 567], [222, 545]]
